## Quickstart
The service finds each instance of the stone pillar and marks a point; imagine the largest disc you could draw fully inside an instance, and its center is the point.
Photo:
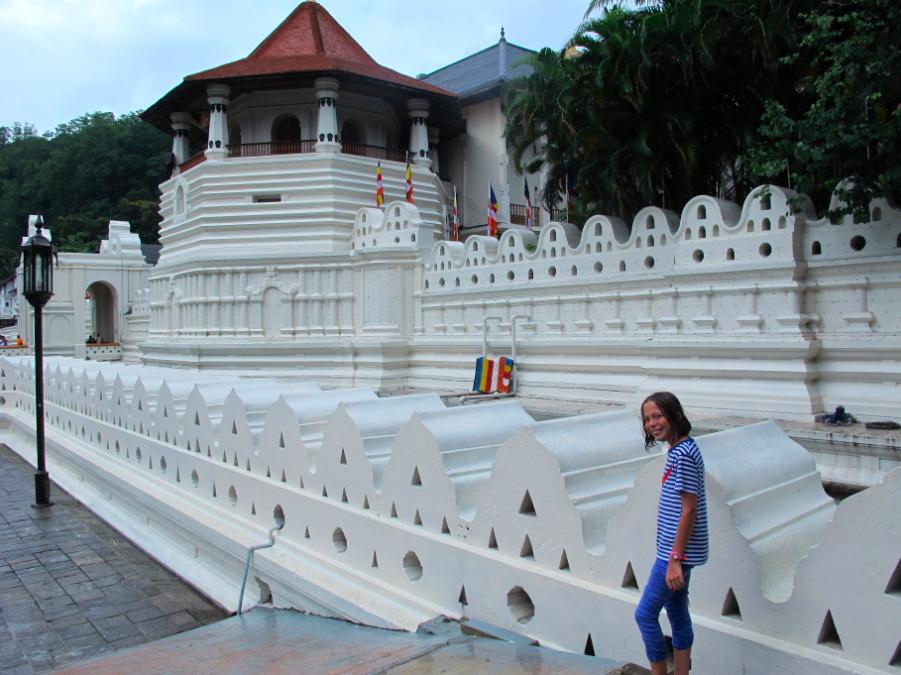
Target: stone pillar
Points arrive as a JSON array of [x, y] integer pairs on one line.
[[327, 126], [181, 123], [217, 146], [434, 137], [419, 135]]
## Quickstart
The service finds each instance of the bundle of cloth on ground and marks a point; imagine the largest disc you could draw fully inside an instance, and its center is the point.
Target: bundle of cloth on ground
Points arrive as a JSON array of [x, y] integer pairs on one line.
[[493, 375]]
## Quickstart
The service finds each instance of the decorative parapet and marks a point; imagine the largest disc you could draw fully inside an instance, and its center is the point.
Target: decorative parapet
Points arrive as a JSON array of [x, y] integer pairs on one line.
[[397, 510], [717, 268]]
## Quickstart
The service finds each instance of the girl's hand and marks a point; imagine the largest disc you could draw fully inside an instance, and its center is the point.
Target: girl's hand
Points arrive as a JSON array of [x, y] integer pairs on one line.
[[674, 579]]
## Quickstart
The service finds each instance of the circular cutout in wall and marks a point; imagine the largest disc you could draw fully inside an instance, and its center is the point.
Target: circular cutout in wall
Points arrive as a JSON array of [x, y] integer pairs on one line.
[[195, 479], [279, 515], [520, 604], [765, 250], [339, 540], [858, 242], [698, 255], [412, 567]]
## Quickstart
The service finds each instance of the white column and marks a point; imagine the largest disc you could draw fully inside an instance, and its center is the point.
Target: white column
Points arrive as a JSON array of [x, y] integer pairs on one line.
[[419, 135], [434, 137], [181, 124], [217, 145], [327, 126]]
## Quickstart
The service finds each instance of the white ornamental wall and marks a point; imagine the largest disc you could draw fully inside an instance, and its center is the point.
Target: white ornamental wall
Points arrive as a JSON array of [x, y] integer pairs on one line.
[[792, 307], [544, 528]]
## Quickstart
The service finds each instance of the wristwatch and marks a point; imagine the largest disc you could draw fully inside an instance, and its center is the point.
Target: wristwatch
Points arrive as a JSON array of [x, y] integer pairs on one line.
[[678, 557]]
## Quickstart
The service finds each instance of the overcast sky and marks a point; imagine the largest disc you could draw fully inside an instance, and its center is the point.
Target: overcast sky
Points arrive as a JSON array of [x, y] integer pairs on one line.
[[63, 58]]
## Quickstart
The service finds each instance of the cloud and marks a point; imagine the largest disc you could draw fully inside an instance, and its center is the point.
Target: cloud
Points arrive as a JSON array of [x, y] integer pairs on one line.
[[64, 58]]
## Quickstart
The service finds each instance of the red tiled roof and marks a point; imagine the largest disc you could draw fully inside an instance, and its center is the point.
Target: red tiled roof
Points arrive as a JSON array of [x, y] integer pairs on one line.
[[310, 40]]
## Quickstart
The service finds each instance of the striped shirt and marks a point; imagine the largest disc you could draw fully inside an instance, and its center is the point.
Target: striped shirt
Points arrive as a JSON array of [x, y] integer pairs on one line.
[[684, 472]]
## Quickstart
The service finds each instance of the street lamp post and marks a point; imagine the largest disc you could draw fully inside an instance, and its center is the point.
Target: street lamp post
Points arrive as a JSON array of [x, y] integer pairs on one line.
[[37, 266]]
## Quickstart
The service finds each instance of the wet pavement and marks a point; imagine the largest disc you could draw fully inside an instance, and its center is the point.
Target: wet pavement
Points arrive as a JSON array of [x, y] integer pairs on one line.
[[284, 642], [72, 588]]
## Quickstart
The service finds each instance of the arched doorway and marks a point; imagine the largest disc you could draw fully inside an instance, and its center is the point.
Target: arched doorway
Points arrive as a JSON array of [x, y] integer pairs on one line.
[[350, 132], [101, 300], [286, 129]]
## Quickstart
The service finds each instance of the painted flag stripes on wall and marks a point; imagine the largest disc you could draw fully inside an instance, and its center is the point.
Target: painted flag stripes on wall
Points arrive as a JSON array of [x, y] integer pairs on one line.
[[484, 371]]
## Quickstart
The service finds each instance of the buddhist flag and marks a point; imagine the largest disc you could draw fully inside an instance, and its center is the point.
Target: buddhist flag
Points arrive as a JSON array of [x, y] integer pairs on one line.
[[379, 186], [409, 180], [456, 217], [484, 373], [529, 226], [571, 191], [493, 207], [504, 370]]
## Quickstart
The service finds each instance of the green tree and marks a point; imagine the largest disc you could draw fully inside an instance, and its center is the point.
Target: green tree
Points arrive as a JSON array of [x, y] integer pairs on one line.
[[96, 168], [657, 104], [853, 129]]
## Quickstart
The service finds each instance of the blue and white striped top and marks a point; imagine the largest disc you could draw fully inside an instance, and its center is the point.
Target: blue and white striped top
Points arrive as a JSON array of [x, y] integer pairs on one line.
[[684, 472]]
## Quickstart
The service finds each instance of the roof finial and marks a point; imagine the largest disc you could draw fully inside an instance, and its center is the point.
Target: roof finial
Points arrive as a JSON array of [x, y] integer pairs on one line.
[[502, 33]]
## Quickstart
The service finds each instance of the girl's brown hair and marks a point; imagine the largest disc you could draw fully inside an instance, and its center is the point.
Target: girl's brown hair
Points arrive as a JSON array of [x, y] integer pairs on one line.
[[672, 410]]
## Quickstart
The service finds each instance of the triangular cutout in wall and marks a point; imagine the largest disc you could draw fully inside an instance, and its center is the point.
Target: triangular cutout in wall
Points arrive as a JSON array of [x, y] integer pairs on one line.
[[189, 446], [208, 453], [224, 457], [235, 461], [416, 479], [492, 540], [896, 657], [343, 456], [629, 580], [150, 463], [730, 606], [248, 465], [564, 562], [462, 599], [527, 508], [324, 491], [306, 533], [894, 582], [214, 490], [344, 496], [526, 550], [281, 440], [417, 520], [829, 636], [366, 503], [235, 427], [268, 473], [589, 646], [253, 509], [444, 528], [301, 483], [196, 419], [375, 560], [177, 475], [393, 510]]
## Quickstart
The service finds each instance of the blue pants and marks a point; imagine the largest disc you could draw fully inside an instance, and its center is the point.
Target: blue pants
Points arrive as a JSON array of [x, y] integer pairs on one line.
[[656, 596]]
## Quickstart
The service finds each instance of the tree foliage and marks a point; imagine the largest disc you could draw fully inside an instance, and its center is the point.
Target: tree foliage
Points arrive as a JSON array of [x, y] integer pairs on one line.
[[853, 129], [657, 104], [87, 172]]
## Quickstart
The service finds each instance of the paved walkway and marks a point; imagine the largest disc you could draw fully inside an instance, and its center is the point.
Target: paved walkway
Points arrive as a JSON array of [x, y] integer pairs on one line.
[[72, 588], [284, 642]]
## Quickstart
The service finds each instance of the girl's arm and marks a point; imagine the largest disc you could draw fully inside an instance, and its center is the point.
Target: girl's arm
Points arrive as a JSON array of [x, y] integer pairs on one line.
[[674, 579]]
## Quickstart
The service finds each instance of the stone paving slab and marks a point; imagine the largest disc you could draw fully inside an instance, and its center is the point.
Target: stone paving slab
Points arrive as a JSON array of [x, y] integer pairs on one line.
[[72, 588], [283, 642]]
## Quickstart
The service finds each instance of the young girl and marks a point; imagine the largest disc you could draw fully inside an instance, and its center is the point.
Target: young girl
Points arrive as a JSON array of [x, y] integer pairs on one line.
[[682, 541]]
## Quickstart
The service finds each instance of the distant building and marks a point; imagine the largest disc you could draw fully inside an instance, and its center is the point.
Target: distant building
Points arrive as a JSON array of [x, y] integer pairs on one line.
[[9, 299]]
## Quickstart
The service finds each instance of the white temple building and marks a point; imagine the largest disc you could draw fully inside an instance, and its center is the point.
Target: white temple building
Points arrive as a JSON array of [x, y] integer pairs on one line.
[[280, 367]]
